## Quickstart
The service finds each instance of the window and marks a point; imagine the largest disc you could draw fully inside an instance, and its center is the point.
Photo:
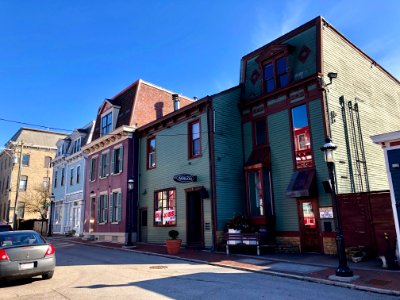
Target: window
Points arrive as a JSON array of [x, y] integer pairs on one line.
[[106, 124], [55, 179], [23, 183], [71, 177], [102, 209], [62, 176], [195, 139], [275, 74], [76, 146], [301, 136], [151, 153], [117, 160], [260, 132], [164, 208], [78, 174], [58, 213], [46, 183], [25, 159], [115, 206], [259, 195], [47, 161], [93, 164], [104, 165]]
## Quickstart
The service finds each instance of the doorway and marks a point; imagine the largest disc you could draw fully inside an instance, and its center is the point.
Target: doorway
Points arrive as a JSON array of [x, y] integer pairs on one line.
[[194, 220], [310, 238], [92, 213], [143, 225]]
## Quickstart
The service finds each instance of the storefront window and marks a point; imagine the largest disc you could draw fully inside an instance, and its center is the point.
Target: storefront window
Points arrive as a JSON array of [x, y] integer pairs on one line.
[[165, 208], [301, 135]]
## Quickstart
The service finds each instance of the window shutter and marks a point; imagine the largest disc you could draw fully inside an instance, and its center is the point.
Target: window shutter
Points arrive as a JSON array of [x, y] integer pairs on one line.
[[105, 208], [119, 207], [98, 209], [121, 158], [112, 207], [113, 162]]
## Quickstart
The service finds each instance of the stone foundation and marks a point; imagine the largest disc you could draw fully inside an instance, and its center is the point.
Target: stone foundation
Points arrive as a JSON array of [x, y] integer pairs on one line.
[[329, 245]]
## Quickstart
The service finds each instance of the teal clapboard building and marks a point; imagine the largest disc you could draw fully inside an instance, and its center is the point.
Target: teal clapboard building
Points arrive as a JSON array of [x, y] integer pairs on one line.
[[190, 176]]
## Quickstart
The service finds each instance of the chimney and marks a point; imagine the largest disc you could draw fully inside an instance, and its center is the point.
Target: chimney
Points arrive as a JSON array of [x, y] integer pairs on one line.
[[175, 98], [195, 98]]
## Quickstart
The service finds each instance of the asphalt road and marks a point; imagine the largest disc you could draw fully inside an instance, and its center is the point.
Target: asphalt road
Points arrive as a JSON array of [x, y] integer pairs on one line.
[[86, 272]]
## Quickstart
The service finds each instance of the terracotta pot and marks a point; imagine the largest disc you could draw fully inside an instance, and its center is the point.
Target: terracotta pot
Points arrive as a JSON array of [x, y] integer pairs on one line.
[[173, 246]]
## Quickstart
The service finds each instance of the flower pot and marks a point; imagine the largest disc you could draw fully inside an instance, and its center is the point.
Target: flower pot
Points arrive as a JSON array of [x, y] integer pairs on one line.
[[173, 246]]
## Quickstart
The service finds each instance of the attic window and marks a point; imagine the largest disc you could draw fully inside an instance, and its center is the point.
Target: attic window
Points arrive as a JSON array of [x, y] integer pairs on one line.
[[106, 124]]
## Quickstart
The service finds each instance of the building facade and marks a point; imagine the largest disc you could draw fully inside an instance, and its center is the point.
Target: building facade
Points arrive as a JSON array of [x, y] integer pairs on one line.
[[69, 167], [190, 175], [111, 208], [298, 89], [25, 174]]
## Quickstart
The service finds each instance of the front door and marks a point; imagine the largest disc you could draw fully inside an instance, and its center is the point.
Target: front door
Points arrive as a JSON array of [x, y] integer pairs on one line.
[[309, 225], [92, 213], [194, 219]]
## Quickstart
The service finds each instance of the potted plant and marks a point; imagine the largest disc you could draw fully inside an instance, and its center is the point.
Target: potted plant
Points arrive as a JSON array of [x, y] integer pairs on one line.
[[174, 243]]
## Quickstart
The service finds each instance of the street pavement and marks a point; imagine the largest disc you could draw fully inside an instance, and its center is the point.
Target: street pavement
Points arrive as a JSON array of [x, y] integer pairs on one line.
[[307, 267], [100, 271]]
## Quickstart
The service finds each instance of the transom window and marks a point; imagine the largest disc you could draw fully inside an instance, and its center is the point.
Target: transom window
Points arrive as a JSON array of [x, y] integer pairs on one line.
[[151, 153], [165, 208], [195, 139], [106, 124], [275, 74]]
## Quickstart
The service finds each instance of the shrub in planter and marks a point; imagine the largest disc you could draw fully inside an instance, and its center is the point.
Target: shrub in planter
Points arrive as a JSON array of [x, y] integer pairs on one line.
[[174, 243]]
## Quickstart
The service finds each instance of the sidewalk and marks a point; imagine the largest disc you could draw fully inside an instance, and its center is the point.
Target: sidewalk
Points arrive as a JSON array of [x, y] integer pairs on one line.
[[307, 267]]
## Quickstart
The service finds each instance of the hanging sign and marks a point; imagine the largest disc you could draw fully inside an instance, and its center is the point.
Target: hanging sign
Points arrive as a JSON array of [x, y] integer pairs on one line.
[[185, 178], [326, 212]]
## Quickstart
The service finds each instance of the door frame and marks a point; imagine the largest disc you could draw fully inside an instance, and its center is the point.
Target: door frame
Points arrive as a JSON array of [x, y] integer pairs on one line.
[[198, 190], [315, 206]]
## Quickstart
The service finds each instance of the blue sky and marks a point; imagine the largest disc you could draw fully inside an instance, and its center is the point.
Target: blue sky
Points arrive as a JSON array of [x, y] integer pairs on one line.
[[60, 59]]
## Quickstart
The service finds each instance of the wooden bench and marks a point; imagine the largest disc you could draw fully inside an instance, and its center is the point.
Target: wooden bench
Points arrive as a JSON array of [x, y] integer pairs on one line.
[[242, 239]]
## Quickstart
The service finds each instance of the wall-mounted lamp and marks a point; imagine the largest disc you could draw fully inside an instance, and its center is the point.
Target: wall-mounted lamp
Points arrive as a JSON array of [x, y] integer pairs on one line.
[[331, 75]]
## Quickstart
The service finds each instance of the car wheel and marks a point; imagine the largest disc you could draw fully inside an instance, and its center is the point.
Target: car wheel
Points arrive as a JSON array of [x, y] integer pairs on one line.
[[48, 275]]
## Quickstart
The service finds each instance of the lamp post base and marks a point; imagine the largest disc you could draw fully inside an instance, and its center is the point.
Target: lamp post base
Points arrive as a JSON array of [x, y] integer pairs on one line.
[[344, 271]]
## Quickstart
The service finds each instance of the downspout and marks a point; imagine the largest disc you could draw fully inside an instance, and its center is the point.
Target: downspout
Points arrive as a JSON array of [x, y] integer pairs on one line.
[[135, 168], [213, 197]]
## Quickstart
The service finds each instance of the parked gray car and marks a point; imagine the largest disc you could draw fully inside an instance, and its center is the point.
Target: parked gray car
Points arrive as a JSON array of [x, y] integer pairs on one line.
[[25, 254]]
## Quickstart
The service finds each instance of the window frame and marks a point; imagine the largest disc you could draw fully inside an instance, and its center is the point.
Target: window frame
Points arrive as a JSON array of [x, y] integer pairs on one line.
[[55, 178], [115, 206], [104, 130], [276, 76], [23, 160], [104, 164], [102, 208], [71, 177], [25, 186], [153, 154], [191, 139], [62, 177], [78, 174], [93, 168], [156, 208], [117, 160]]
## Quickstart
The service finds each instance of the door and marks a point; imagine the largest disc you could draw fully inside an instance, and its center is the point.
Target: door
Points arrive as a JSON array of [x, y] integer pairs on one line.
[[309, 225], [92, 213], [143, 224], [194, 219]]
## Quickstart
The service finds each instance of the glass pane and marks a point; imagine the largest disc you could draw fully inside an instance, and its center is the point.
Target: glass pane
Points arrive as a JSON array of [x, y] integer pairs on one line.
[[283, 80], [281, 65], [301, 135], [308, 214], [195, 131], [196, 147], [255, 194], [268, 72], [270, 85]]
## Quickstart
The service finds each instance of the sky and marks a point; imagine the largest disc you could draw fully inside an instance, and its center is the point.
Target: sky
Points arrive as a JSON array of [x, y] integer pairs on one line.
[[60, 59]]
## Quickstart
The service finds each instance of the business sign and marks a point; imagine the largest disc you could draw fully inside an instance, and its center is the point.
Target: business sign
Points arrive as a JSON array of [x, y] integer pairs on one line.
[[185, 178], [157, 216], [326, 212], [169, 215]]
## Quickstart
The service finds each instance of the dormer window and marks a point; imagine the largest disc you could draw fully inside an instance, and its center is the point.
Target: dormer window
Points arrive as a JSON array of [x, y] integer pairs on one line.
[[106, 124], [76, 145]]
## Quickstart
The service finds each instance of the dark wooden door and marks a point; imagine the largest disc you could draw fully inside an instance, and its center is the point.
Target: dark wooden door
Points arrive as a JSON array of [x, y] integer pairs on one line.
[[92, 213], [309, 225], [143, 225], [194, 219]]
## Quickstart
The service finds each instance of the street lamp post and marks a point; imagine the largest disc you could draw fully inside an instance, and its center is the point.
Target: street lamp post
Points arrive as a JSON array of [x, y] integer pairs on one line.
[[50, 233], [342, 270], [131, 186]]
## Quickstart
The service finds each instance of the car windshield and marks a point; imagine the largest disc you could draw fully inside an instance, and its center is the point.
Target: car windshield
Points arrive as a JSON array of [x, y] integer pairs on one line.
[[20, 239]]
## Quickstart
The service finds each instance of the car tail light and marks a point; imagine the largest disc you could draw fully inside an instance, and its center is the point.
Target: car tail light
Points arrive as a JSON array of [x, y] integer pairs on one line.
[[3, 255], [50, 250]]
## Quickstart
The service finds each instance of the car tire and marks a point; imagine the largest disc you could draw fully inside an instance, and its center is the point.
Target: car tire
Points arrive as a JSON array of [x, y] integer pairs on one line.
[[48, 275]]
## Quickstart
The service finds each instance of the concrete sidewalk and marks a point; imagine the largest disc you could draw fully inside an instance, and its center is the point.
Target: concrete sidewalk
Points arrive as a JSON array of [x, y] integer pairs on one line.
[[307, 267]]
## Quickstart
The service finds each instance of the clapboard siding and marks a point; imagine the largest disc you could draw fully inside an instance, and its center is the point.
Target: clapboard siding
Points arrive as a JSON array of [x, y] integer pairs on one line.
[[378, 97]]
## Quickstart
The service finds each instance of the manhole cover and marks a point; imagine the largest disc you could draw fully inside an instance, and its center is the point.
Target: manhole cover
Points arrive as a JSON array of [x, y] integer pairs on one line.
[[378, 282], [158, 267]]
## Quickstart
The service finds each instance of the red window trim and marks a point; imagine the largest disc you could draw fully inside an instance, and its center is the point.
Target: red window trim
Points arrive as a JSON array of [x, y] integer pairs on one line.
[[148, 152], [156, 205], [190, 139]]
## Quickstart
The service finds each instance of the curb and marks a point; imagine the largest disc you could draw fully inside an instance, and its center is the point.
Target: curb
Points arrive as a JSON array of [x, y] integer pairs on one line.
[[265, 272]]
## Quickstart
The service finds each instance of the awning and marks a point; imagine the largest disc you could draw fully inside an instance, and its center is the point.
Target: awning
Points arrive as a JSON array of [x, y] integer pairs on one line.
[[302, 184], [260, 156]]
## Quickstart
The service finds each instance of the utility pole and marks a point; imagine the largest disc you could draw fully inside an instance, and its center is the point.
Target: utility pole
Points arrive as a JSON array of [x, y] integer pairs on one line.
[[17, 190]]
